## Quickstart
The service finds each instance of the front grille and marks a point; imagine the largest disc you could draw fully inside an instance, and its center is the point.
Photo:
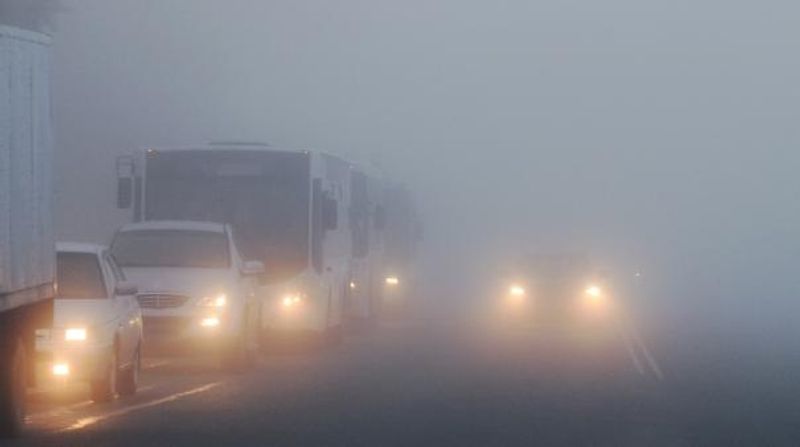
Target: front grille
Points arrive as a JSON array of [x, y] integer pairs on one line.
[[161, 301], [165, 327]]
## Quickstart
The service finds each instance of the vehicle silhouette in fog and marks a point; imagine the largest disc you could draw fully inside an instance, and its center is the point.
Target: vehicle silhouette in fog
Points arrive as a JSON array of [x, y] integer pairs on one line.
[[290, 210], [555, 289], [97, 325], [196, 291]]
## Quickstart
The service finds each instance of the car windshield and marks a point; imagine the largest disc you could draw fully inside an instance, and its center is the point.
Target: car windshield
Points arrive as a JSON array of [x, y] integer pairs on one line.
[[79, 276], [171, 248]]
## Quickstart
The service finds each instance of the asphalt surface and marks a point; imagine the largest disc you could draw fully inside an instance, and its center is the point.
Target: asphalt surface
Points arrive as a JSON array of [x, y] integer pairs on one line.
[[452, 383]]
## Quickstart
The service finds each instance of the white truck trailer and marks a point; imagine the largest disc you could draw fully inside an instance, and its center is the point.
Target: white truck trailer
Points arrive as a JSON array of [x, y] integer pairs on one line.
[[27, 249]]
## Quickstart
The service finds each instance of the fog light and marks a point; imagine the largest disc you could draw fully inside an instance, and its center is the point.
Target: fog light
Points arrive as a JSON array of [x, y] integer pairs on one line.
[[61, 369], [392, 280], [209, 322]]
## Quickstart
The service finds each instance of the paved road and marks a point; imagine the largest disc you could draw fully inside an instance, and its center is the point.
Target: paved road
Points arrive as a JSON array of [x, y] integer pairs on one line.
[[432, 382]]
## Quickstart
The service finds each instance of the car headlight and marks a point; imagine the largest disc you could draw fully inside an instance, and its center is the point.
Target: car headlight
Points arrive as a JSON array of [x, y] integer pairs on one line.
[[593, 291], [209, 322], [220, 300], [291, 299], [392, 280], [516, 290], [75, 334]]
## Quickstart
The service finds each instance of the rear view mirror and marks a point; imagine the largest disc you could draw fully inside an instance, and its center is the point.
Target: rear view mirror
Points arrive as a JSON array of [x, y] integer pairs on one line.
[[330, 213], [125, 288], [253, 268], [124, 193]]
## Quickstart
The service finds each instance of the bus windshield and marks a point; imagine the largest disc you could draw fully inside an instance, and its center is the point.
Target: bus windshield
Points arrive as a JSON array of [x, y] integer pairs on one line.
[[263, 194]]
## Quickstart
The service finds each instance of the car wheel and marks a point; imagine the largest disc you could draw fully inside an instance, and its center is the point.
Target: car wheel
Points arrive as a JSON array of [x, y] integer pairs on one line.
[[12, 391], [104, 390], [129, 378]]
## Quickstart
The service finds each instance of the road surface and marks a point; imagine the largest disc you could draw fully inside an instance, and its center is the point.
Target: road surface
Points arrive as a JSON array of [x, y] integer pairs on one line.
[[449, 383]]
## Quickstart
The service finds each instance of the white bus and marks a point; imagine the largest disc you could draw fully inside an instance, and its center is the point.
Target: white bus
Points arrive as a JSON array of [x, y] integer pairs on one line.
[[289, 208], [367, 222]]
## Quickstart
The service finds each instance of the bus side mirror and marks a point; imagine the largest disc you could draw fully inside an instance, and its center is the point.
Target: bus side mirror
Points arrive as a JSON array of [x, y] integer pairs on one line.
[[380, 218], [124, 193], [330, 213]]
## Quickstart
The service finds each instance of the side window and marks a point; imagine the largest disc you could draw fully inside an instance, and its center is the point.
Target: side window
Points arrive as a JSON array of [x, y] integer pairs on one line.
[[317, 230]]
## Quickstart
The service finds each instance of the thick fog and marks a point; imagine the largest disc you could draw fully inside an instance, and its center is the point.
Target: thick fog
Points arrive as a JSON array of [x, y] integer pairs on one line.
[[660, 137]]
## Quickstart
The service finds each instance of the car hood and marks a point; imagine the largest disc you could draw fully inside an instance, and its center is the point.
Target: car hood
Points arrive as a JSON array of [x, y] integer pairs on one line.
[[194, 282], [82, 312]]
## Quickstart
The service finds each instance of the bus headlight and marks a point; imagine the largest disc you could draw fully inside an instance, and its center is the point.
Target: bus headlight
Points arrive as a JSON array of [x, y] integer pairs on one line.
[[392, 281]]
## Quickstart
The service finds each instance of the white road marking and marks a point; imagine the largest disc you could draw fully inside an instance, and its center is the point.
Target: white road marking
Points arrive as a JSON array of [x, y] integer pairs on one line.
[[66, 409], [649, 356], [85, 422], [631, 352], [150, 364]]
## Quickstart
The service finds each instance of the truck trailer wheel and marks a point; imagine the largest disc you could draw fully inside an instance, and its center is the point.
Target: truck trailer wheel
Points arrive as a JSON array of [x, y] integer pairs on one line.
[[12, 390]]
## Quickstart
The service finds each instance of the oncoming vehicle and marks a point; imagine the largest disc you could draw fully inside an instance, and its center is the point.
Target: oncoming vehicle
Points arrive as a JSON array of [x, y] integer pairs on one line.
[[289, 210], [367, 224], [403, 232], [97, 330], [556, 288], [195, 289]]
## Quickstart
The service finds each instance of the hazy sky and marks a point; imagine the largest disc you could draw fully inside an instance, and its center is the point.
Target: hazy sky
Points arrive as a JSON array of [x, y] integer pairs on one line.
[[657, 134]]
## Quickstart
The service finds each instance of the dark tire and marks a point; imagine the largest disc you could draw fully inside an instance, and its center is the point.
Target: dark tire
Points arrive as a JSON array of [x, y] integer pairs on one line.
[[12, 390], [105, 389], [129, 378]]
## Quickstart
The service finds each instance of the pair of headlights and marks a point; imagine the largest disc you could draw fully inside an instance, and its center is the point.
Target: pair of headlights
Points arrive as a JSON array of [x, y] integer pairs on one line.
[[591, 291]]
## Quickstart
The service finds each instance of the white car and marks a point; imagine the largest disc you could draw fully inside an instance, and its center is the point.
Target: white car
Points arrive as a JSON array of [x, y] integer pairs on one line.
[[195, 290], [97, 324]]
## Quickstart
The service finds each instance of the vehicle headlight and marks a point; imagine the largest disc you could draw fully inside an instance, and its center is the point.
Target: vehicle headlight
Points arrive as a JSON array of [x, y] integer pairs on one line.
[[291, 299], [75, 334], [392, 280], [516, 290], [593, 291], [220, 300], [60, 369], [209, 322]]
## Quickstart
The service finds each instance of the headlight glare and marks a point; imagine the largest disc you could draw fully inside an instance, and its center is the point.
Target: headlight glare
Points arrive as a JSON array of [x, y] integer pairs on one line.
[[220, 300], [75, 334], [516, 290], [291, 299]]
